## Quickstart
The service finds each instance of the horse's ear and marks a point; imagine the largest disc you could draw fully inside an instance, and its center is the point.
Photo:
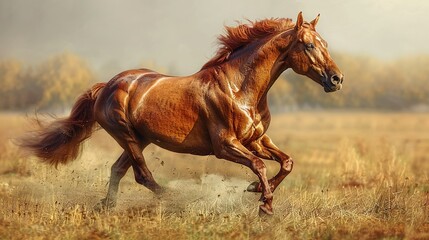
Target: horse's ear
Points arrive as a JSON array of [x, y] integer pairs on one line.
[[299, 21], [314, 22]]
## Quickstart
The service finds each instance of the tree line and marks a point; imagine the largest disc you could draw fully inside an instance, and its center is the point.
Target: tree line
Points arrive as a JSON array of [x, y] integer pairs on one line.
[[369, 83], [53, 84]]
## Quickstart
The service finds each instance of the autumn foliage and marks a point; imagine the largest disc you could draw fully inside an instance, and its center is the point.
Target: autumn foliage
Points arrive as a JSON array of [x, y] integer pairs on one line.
[[54, 83]]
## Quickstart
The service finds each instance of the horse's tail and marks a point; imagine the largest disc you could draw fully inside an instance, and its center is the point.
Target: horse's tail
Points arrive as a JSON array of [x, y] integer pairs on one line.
[[60, 140]]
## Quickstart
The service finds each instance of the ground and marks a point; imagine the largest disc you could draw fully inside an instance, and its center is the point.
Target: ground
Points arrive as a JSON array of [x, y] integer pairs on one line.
[[357, 175]]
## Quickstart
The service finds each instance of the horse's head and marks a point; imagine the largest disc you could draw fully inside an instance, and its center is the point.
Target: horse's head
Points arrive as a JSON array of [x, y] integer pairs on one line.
[[309, 56]]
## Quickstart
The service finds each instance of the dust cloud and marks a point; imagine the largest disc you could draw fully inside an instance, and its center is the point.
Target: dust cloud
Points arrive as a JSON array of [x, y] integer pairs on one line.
[[211, 192]]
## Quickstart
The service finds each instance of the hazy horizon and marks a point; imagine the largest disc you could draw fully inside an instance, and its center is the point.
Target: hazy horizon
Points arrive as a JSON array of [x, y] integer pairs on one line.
[[181, 35]]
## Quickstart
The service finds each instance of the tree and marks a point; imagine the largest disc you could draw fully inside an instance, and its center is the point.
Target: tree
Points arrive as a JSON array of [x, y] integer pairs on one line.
[[17, 89], [10, 71], [63, 78]]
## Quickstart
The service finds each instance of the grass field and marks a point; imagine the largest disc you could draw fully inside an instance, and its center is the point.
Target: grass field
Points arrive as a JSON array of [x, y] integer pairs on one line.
[[357, 175]]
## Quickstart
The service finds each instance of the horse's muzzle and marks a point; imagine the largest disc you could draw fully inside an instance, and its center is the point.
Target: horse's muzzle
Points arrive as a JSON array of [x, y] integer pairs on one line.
[[333, 83]]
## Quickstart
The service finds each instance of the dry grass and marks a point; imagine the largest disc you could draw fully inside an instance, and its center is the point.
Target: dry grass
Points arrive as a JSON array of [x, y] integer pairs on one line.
[[356, 176]]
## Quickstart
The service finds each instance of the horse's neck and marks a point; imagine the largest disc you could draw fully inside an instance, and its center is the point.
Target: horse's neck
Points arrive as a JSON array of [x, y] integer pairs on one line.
[[253, 74]]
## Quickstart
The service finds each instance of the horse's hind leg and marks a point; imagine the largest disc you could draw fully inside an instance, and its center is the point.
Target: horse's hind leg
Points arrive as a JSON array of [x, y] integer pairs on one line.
[[133, 147], [142, 173], [115, 121], [132, 156], [118, 170]]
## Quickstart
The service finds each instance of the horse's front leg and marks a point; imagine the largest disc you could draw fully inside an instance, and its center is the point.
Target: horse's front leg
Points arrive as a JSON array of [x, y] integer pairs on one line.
[[231, 149], [266, 149]]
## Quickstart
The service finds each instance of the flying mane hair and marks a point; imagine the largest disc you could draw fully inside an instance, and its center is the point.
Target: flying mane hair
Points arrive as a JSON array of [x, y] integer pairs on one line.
[[243, 34]]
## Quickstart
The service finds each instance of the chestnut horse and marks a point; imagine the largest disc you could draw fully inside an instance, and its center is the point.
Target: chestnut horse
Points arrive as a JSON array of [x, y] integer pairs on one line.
[[221, 110]]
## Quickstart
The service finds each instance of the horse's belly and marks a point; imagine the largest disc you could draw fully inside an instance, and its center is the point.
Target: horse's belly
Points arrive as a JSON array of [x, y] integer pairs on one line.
[[173, 123], [169, 132]]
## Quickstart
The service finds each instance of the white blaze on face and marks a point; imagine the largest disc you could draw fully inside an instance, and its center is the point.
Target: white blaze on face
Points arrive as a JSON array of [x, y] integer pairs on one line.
[[318, 53], [320, 41]]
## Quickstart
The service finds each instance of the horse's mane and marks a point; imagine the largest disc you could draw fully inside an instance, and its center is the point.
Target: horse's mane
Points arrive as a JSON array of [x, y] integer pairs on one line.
[[243, 34]]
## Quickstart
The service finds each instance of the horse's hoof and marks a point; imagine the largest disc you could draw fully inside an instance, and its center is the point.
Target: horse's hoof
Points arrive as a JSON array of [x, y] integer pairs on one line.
[[254, 187], [160, 191], [104, 205], [264, 211], [99, 207]]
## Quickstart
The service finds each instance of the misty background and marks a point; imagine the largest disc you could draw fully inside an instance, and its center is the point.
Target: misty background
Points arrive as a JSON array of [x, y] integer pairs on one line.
[[96, 39]]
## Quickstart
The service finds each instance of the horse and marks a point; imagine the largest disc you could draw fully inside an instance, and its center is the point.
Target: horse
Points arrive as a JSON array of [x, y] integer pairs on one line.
[[221, 110]]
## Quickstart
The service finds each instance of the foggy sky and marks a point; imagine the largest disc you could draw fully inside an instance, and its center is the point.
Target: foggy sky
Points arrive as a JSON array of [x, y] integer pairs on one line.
[[113, 34]]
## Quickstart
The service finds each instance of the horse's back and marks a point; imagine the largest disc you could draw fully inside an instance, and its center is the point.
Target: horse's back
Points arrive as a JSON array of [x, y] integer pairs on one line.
[[114, 97]]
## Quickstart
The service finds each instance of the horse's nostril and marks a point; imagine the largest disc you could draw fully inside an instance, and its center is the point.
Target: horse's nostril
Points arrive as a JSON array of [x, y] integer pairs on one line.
[[336, 80]]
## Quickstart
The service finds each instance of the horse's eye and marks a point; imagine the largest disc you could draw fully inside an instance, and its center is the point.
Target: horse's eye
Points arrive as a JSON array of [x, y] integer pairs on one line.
[[309, 46]]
